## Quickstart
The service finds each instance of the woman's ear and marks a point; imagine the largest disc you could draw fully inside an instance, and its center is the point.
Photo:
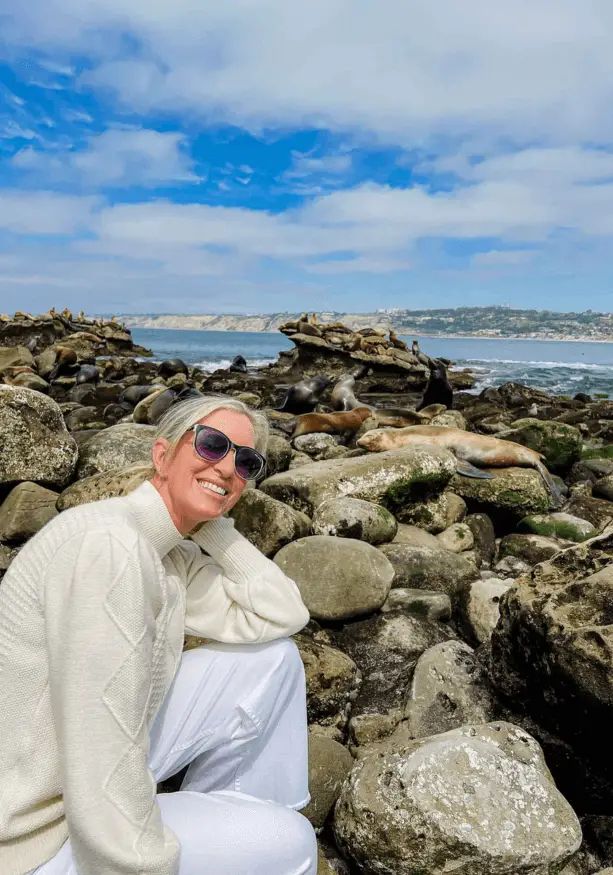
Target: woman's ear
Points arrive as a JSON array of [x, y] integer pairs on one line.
[[158, 453]]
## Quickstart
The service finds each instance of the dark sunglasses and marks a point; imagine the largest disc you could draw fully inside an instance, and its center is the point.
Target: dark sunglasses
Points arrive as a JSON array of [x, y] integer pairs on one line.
[[214, 445]]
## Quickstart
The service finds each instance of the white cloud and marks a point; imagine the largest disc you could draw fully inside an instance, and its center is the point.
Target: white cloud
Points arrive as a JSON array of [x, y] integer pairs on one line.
[[359, 265], [499, 258], [44, 212], [401, 69], [117, 157]]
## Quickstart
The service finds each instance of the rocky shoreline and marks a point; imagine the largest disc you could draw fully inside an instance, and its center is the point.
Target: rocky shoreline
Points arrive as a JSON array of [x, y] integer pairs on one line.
[[459, 657]]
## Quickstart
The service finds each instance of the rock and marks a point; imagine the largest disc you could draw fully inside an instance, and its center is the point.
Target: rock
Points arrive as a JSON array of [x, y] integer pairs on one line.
[[278, 456], [315, 444], [338, 578], [450, 419], [449, 690], [15, 356], [115, 448], [484, 535], [7, 554], [591, 470], [36, 445], [512, 494], [530, 548], [427, 568], [329, 765], [560, 444], [354, 518], [456, 508], [267, 523], [332, 681], [552, 649], [84, 418], [596, 511], [107, 485], [478, 800], [25, 510], [604, 487], [299, 459], [392, 479], [28, 381], [431, 516], [457, 538], [511, 566], [558, 525], [477, 608], [386, 648], [427, 604], [415, 537]]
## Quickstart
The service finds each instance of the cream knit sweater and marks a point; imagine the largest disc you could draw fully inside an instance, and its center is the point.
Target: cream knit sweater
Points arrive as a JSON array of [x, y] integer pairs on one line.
[[92, 616]]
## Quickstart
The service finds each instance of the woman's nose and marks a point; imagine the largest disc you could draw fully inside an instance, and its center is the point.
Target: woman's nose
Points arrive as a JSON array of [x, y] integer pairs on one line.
[[226, 465]]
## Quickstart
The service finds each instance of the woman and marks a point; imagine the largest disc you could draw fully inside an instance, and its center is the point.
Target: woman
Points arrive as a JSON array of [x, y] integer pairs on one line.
[[99, 703]]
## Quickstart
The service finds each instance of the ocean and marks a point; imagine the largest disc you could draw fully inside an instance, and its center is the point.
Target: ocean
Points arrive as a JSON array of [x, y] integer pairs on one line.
[[557, 367]]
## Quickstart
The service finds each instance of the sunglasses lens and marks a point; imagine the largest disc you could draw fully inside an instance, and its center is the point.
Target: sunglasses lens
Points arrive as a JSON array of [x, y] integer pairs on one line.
[[248, 463], [211, 445]]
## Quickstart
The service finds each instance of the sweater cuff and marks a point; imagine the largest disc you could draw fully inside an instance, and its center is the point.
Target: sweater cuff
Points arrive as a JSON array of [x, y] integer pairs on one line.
[[236, 555]]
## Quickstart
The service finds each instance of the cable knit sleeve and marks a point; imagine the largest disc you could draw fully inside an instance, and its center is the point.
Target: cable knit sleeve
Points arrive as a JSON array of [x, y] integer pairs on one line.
[[100, 624], [235, 595]]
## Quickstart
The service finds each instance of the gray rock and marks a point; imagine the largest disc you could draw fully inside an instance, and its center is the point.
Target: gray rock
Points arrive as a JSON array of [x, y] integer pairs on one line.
[[485, 537], [415, 537], [478, 607], [316, 444], [511, 566], [7, 554], [392, 479], [278, 457], [456, 508], [449, 690], [354, 518], [419, 603], [115, 448], [604, 487], [450, 419], [267, 523], [457, 538], [329, 765], [558, 525], [100, 486], [511, 494], [299, 459], [25, 510], [530, 548], [473, 801], [432, 515], [36, 445], [338, 578], [427, 568], [15, 356]]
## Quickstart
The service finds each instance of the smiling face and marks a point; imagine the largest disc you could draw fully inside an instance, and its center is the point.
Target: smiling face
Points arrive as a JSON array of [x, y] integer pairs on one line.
[[193, 489]]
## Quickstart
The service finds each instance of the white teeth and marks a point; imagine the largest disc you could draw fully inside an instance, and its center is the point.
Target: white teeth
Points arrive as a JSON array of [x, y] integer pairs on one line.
[[208, 485]]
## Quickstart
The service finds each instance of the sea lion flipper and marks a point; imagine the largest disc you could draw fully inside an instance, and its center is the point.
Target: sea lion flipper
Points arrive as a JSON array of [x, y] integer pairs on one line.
[[557, 499], [467, 470]]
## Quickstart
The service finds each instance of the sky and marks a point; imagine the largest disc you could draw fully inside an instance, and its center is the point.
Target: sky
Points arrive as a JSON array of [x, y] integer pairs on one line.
[[274, 156]]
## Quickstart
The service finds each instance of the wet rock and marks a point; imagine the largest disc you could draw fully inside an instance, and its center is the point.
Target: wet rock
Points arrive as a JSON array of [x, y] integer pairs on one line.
[[393, 479], [25, 510], [477, 608], [449, 690], [530, 548], [115, 448], [421, 567], [385, 648], [560, 444], [558, 525], [107, 485], [485, 537], [474, 801], [338, 578], [329, 765], [457, 538], [267, 523], [332, 680], [512, 494], [354, 518], [36, 445], [426, 604]]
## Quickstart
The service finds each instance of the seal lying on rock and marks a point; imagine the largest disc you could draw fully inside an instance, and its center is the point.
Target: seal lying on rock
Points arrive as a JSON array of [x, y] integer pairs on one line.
[[304, 396], [470, 450], [343, 422], [438, 390]]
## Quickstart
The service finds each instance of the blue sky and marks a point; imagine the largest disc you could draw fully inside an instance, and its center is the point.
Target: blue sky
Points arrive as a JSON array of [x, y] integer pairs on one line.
[[273, 156]]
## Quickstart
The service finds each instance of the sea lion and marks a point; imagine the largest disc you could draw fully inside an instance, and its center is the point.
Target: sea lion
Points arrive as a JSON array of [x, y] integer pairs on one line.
[[170, 367], [67, 314], [80, 316], [438, 390], [153, 406], [470, 450], [87, 374], [345, 422], [239, 365], [342, 397], [65, 362], [313, 319], [421, 357], [304, 396], [307, 328], [396, 342], [134, 394]]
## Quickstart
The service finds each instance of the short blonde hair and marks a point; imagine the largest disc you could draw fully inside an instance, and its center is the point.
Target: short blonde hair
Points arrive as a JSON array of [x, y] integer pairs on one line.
[[185, 414]]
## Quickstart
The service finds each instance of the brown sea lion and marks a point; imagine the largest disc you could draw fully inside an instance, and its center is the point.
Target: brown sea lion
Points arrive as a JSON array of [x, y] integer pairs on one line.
[[313, 319], [344, 422], [421, 357], [65, 362], [395, 341], [307, 328], [470, 449]]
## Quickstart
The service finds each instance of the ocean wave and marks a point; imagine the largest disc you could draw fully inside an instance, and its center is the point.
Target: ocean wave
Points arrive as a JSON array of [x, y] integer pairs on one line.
[[210, 365], [577, 366]]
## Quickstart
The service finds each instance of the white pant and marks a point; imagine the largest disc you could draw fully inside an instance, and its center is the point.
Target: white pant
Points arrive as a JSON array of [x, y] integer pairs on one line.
[[237, 714]]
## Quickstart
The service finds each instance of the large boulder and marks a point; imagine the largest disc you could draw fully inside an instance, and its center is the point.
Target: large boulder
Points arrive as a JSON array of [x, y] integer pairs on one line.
[[478, 800], [560, 444], [100, 486], [558, 525], [393, 479], [552, 650], [477, 607], [267, 523], [119, 446], [329, 765], [26, 509], [338, 578], [354, 518], [426, 567], [36, 445], [510, 495]]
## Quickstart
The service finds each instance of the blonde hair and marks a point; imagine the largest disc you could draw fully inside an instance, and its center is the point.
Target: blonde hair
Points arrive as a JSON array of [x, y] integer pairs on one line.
[[185, 414]]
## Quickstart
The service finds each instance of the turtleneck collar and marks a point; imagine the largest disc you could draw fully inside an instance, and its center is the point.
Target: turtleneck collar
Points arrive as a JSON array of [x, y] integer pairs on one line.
[[153, 519]]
